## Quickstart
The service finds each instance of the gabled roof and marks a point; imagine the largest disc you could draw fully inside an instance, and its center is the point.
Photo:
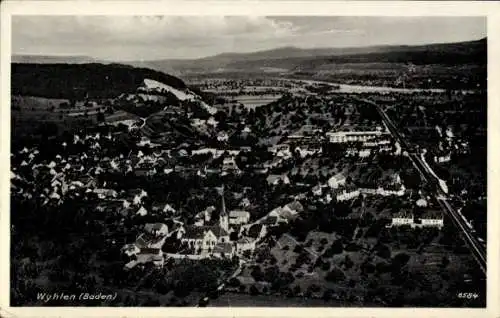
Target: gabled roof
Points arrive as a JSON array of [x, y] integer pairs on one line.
[[432, 214], [295, 206], [140, 242], [195, 232], [154, 226], [238, 213], [275, 177], [217, 230], [403, 215], [255, 230], [245, 240]]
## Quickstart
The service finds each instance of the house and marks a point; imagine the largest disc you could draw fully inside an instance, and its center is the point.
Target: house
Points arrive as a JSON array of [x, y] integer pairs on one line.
[[198, 220], [130, 249], [105, 193], [281, 151], [156, 229], [245, 202], [219, 232], [163, 207], [317, 190], [307, 151], [352, 136], [199, 238], [239, 217], [422, 203], [207, 213], [295, 207], [270, 220], [222, 136], [229, 164], [364, 153], [432, 218], [112, 206], [245, 244], [402, 218], [347, 194], [276, 162], [147, 255], [442, 158], [336, 181], [275, 179], [138, 195], [223, 250], [142, 211], [148, 240], [144, 141]]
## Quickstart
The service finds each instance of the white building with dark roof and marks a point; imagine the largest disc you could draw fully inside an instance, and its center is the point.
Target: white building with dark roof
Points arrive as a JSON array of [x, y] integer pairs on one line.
[[239, 217]]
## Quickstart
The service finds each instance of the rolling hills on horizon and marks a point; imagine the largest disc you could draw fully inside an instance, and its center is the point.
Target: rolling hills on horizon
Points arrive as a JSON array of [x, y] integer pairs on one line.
[[293, 58]]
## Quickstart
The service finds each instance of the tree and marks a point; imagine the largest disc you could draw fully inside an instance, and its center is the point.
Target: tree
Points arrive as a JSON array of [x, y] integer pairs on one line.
[[335, 275], [325, 266], [296, 290], [234, 282], [253, 290], [327, 295], [257, 273], [383, 251], [400, 260], [444, 262], [348, 262]]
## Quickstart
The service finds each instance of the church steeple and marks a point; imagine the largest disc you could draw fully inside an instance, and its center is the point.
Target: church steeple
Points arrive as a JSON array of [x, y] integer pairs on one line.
[[223, 217]]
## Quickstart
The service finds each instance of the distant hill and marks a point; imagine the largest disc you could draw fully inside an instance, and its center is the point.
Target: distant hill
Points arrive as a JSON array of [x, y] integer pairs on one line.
[[292, 58], [53, 59], [75, 81]]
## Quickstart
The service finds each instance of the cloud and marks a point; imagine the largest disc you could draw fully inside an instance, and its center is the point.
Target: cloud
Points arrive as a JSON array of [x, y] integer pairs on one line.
[[152, 37], [144, 29]]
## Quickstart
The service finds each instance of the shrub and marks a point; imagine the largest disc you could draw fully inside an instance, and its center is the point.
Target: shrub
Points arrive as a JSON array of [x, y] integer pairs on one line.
[[325, 266], [348, 262], [254, 290], [383, 251], [234, 282], [327, 295], [335, 275], [296, 290], [257, 273], [400, 260]]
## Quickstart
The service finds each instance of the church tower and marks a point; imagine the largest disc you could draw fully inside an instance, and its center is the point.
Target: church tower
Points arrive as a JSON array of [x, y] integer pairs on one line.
[[223, 217]]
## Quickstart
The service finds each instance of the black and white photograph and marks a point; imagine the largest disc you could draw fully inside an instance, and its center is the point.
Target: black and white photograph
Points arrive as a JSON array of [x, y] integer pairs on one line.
[[248, 161]]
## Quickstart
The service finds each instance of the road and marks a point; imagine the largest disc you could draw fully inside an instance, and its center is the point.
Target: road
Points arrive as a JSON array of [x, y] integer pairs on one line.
[[477, 249]]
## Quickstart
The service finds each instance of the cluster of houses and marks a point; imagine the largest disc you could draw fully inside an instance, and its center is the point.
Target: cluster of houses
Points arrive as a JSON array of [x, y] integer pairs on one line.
[[355, 136], [229, 235], [336, 188], [430, 218]]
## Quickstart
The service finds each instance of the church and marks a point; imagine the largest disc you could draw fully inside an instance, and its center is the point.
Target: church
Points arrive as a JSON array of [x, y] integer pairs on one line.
[[205, 238]]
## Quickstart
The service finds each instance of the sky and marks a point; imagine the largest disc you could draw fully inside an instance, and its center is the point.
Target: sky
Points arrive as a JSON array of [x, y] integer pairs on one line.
[[122, 38]]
